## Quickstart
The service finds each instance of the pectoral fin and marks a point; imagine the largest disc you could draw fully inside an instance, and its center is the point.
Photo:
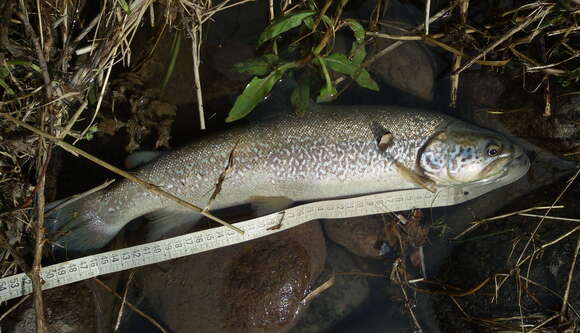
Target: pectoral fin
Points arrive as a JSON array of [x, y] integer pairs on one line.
[[266, 205], [416, 178]]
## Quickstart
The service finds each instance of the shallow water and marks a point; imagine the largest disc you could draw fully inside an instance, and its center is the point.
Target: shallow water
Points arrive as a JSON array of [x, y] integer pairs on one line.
[[182, 293]]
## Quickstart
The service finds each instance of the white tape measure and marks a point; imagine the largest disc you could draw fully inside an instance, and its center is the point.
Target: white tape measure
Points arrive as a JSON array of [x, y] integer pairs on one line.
[[155, 252]]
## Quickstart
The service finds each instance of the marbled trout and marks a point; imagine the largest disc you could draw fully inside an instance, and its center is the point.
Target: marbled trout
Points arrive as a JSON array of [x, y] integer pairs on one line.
[[330, 153]]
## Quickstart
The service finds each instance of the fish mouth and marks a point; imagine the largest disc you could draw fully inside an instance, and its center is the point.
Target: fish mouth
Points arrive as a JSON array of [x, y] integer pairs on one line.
[[513, 170], [516, 168]]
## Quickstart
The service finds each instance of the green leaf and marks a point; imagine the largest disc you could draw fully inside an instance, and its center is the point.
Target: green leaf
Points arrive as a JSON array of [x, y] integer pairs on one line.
[[6, 87], [283, 24], [327, 20], [340, 63], [364, 79], [124, 5], [4, 72], [357, 29], [255, 92], [174, 52], [328, 91], [357, 52], [258, 66], [24, 63], [300, 97], [90, 134], [309, 21]]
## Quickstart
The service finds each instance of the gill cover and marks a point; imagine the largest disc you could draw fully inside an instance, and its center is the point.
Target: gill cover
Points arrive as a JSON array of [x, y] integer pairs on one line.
[[464, 154]]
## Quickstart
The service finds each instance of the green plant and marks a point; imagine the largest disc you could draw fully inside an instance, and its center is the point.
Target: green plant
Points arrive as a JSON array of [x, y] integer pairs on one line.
[[310, 51]]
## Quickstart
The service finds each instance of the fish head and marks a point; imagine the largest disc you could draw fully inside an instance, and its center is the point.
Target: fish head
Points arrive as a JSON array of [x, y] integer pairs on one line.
[[463, 153]]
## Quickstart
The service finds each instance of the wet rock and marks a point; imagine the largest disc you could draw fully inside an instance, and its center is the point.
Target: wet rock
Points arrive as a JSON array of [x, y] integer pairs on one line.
[[486, 98], [68, 309], [410, 67], [359, 235], [341, 300], [252, 287], [480, 89], [407, 68], [380, 236]]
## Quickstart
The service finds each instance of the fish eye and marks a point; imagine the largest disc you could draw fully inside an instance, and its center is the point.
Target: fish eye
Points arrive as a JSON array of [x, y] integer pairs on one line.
[[493, 150]]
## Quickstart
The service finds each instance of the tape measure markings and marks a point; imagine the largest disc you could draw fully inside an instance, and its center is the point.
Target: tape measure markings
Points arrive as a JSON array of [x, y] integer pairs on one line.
[[201, 241]]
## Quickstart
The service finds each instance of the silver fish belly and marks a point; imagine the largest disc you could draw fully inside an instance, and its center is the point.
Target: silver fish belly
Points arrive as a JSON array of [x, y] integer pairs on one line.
[[332, 152]]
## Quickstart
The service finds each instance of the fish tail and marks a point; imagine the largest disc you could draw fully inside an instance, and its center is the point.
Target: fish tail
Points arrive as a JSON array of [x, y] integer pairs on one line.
[[73, 229]]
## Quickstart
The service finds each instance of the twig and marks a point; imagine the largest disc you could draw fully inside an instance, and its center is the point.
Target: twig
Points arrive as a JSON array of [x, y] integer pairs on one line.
[[39, 53], [537, 327], [73, 119], [124, 300], [435, 42], [131, 306], [320, 289], [16, 255], [14, 307], [100, 101], [196, 37], [399, 280], [271, 8], [457, 58], [546, 81], [396, 44], [476, 224], [457, 293], [540, 13], [382, 276], [570, 278], [34, 273], [79, 196], [148, 186], [570, 182], [546, 245], [551, 217], [218, 186], [427, 14]]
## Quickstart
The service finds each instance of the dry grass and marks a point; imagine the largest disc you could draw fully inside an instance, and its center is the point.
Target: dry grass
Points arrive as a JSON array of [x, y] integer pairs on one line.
[[55, 55]]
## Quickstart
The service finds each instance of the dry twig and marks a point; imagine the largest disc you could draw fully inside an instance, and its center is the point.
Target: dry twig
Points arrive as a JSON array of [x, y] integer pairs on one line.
[[148, 186]]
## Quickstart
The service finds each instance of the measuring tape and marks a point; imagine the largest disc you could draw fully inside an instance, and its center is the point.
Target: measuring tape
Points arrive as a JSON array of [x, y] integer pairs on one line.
[[155, 252]]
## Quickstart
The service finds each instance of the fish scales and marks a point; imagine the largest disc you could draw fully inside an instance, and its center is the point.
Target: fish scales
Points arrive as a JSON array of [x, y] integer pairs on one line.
[[332, 152]]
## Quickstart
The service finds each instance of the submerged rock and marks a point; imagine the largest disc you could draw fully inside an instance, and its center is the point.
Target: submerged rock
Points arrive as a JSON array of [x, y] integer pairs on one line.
[[359, 235], [68, 309], [257, 286], [347, 294]]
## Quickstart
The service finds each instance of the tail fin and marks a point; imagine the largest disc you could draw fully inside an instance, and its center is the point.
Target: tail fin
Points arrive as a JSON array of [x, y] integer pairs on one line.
[[73, 229]]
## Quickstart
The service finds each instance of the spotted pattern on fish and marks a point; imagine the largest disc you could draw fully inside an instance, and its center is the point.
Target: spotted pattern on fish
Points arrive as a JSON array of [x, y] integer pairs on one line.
[[331, 153]]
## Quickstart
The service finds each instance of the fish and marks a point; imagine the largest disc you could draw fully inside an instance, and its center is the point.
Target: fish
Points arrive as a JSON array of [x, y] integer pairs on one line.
[[332, 152]]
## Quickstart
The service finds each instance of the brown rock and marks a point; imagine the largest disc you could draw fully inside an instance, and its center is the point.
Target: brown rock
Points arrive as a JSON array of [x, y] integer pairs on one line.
[[251, 287], [359, 235], [68, 309]]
